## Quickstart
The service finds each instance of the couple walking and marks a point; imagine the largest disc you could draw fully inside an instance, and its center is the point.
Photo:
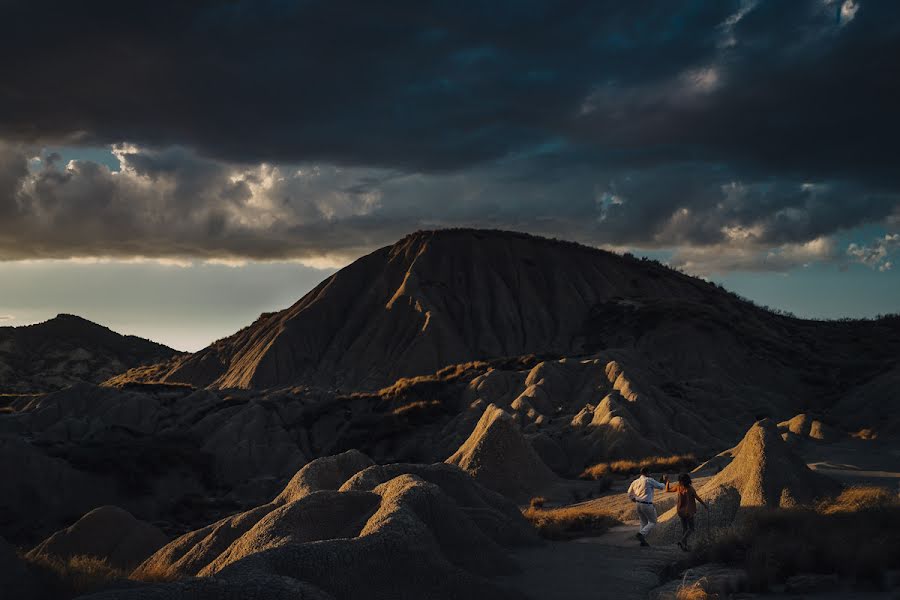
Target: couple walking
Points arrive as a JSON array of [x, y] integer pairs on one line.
[[641, 492]]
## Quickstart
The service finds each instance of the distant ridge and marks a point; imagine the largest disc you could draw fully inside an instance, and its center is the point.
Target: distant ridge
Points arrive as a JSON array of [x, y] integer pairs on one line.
[[69, 349]]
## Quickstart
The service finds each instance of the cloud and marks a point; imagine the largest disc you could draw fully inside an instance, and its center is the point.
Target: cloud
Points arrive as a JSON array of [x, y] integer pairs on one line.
[[875, 255], [724, 258], [7, 318], [796, 87], [738, 134], [175, 206]]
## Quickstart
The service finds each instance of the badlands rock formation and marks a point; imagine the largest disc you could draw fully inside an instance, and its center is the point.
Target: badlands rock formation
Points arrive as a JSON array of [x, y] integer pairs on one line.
[[499, 458], [66, 350], [399, 531], [803, 426], [763, 471], [583, 355]]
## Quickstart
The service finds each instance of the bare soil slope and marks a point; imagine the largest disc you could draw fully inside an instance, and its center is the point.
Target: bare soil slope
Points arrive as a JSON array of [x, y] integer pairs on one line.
[[432, 299]]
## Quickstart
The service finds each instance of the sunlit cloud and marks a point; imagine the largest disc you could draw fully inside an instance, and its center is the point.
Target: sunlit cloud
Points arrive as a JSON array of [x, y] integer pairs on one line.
[[875, 255]]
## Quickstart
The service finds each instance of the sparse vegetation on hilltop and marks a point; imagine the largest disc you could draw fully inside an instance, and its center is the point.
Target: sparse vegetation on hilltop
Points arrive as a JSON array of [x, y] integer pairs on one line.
[[677, 462]]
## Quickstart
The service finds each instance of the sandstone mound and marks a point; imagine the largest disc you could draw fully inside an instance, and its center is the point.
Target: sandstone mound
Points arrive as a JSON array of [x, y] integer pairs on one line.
[[318, 516], [764, 472], [501, 459], [803, 426], [494, 513], [107, 532], [327, 473], [388, 533], [194, 551]]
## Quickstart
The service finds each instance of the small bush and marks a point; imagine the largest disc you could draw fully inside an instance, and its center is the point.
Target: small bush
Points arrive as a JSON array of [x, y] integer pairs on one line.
[[678, 462], [569, 521]]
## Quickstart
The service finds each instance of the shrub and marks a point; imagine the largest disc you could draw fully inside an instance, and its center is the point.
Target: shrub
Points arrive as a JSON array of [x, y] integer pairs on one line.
[[569, 522], [678, 462], [854, 535]]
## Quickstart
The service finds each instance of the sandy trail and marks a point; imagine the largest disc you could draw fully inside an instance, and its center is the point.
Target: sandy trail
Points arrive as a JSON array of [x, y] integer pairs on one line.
[[609, 566]]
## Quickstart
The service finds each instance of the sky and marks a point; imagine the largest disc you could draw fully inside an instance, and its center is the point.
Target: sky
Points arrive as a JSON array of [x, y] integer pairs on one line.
[[173, 169]]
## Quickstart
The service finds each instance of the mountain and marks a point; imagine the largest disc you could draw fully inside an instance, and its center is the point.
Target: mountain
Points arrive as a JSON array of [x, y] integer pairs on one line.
[[433, 299], [438, 298], [66, 350]]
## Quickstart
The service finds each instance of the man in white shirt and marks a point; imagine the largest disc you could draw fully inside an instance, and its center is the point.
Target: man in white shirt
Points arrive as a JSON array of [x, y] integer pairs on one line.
[[641, 492]]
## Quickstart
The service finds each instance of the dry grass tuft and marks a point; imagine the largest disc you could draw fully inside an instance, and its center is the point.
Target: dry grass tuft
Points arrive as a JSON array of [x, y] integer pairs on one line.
[[678, 462], [154, 573], [569, 522], [419, 406], [856, 499], [62, 579], [854, 536], [405, 385], [865, 434], [537, 502], [694, 591], [78, 575]]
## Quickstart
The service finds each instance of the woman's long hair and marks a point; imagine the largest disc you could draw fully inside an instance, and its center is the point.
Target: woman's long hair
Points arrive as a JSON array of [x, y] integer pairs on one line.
[[684, 479]]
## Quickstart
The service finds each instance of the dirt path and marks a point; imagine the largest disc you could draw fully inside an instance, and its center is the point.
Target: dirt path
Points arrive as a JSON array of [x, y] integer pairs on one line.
[[609, 566]]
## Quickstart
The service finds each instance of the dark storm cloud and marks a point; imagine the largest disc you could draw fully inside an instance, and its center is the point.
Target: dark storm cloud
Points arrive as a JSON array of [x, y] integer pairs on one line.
[[742, 134], [413, 85], [794, 90]]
